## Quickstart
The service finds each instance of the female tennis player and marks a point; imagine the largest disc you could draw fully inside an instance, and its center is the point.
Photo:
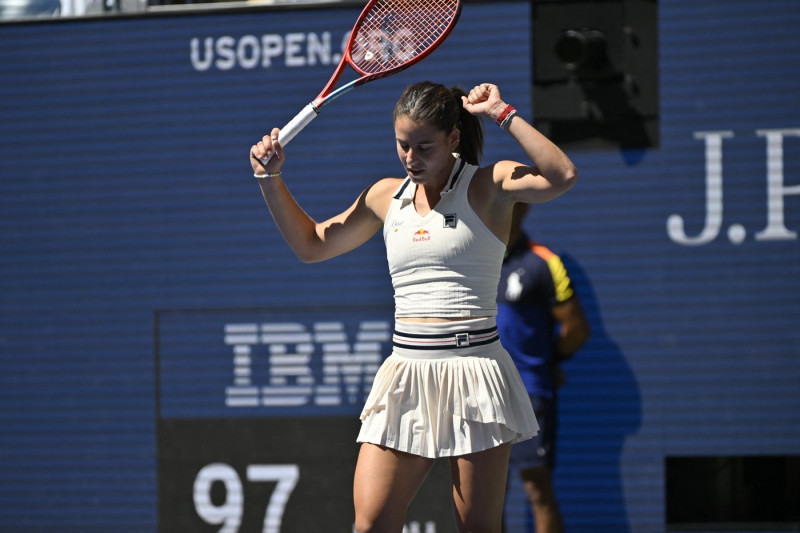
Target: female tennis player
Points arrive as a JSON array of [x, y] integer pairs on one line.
[[448, 389]]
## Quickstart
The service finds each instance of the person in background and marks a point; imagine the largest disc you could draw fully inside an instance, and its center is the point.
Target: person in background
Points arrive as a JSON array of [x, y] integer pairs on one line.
[[541, 323]]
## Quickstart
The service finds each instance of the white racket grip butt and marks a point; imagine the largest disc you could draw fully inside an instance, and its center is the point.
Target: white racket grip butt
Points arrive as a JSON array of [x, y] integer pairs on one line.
[[295, 126]]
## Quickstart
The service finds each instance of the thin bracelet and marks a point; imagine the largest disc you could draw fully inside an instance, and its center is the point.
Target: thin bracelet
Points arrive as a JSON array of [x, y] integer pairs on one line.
[[505, 116], [267, 175], [507, 120]]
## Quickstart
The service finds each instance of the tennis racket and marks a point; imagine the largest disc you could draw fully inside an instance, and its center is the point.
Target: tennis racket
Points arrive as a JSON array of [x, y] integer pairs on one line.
[[388, 37]]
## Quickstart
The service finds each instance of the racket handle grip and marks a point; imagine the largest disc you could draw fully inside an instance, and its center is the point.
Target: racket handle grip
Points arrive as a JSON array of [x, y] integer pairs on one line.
[[295, 126]]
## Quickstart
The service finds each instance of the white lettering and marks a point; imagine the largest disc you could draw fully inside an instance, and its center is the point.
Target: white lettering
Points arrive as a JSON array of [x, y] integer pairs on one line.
[[230, 510], [272, 46], [713, 222], [373, 50], [319, 49], [776, 190], [344, 372], [287, 477], [294, 50], [226, 54], [204, 63], [248, 51]]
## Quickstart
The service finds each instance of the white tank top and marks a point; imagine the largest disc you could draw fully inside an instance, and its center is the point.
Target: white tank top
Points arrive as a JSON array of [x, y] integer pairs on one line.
[[447, 263]]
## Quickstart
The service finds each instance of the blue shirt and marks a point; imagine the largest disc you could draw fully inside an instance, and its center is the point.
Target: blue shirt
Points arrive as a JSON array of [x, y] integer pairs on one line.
[[533, 280]]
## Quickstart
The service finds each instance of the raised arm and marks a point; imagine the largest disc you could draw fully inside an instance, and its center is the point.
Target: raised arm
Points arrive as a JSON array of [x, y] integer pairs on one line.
[[551, 172], [313, 241]]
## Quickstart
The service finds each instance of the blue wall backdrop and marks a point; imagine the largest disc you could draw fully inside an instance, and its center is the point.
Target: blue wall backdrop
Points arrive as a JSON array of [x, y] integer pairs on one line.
[[137, 257]]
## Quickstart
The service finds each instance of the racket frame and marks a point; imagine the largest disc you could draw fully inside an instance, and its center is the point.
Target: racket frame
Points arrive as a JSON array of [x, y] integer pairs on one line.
[[328, 95]]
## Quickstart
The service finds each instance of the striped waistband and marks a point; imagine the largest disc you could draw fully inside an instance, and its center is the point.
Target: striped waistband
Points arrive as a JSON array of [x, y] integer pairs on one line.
[[461, 339]]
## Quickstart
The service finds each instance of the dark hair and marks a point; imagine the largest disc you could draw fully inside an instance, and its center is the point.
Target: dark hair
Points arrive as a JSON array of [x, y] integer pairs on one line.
[[434, 104]]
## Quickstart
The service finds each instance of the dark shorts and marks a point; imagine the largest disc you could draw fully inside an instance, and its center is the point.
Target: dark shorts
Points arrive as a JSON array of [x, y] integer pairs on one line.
[[540, 450]]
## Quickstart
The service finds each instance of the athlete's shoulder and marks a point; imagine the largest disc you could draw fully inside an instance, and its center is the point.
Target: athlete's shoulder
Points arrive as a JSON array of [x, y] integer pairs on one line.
[[378, 196], [386, 186]]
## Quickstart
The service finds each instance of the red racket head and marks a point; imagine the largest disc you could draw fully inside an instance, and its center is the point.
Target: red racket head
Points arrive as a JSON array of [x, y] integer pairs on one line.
[[392, 35]]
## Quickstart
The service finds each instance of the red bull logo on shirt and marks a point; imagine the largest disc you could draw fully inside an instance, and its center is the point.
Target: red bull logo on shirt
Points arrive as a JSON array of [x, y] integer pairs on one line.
[[421, 235]]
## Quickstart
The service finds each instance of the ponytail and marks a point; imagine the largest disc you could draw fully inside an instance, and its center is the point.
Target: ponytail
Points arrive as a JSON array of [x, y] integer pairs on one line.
[[435, 104], [470, 145]]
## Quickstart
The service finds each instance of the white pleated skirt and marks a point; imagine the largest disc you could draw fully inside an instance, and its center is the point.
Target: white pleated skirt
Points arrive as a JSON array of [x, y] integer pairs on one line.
[[442, 393]]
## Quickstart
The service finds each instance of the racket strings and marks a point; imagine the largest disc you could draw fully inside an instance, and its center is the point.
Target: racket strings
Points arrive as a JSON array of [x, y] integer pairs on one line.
[[395, 32]]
